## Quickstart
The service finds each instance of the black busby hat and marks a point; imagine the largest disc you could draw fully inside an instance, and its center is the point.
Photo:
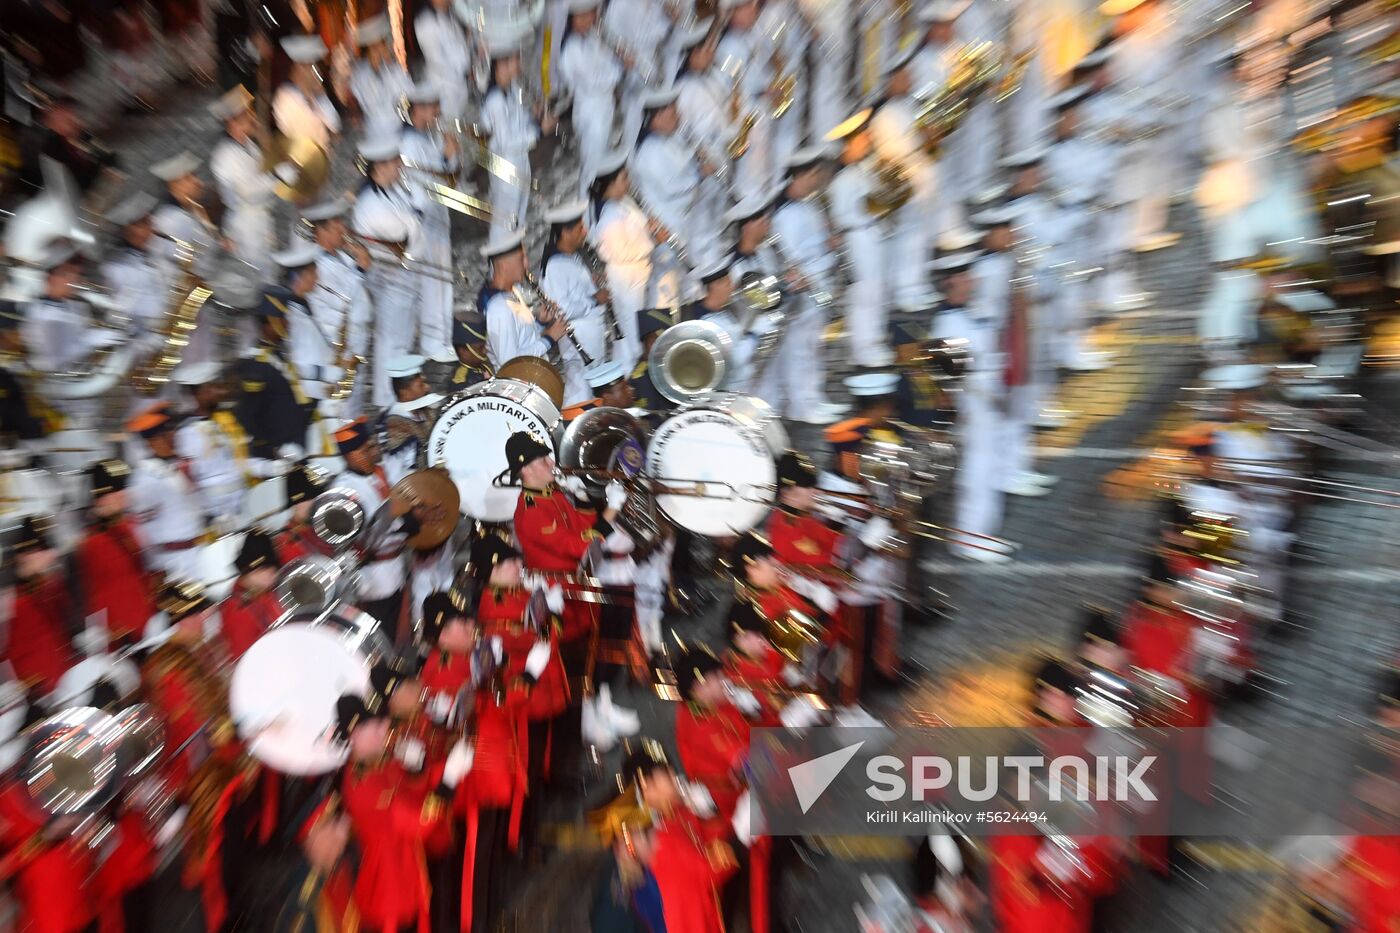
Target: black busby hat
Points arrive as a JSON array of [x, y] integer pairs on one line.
[[182, 599], [305, 482], [745, 616], [350, 711], [106, 476], [693, 665], [384, 678], [521, 449], [1099, 626], [438, 609], [489, 551], [641, 760], [750, 547], [257, 551], [796, 469], [33, 535], [939, 856], [1054, 674]]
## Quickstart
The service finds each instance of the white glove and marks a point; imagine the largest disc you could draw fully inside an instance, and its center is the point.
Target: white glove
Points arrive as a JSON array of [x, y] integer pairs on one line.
[[287, 173], [411, 754], [616, 495], [823, 596], [745, 700], [748, 820], [574, 486], [438, 708], [498, 649], [554, 598], [171, 827], [875, 531], [619, 542], [459, 762], [799, 714], [793, 676], [291, 452], [538, 657], [832, 512], [698, 797], [1212, 644]]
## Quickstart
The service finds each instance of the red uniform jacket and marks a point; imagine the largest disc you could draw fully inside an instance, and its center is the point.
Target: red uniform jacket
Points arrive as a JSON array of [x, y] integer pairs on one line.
[[296, 541], [761, 673], [501, 613], [115, 581], [390, 822], [802, 540], [1160, 640], [1024, 899], [554, 534], [244, 620], [689, 874], [38, 646], [49, 879], [1375, 861], [713, 745], [181, 685]]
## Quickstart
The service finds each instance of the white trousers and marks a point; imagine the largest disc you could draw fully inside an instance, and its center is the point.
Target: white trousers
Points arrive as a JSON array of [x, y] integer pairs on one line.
[[801, 363], [593, 123], [866, 312], [978, 499], [510, 197], [396, 298], [628, 285], [435, 288]]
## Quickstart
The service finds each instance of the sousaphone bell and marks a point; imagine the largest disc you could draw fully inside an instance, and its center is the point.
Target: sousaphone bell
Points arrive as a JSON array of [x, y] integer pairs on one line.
[[690, 360]]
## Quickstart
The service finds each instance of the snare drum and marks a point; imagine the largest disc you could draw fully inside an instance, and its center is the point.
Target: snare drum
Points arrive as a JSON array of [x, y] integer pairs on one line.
[[725, 462], [284, 689], [469, 439]]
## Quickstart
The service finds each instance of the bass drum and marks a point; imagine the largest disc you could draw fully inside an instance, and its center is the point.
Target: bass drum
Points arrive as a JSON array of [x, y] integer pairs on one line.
[[755, 412], [284, 689], [722, 464], [469, 439]]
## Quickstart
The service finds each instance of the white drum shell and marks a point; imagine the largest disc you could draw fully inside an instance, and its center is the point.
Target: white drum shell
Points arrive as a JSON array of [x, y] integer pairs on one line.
[[284, 690], [469, 439], [725, 459], [265, 505]]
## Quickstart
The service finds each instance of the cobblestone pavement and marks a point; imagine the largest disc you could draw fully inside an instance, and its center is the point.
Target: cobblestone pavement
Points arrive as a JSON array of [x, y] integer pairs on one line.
[[1081, 543]]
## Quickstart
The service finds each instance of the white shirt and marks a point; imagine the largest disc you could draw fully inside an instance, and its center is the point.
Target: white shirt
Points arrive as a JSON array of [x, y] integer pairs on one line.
[[443, 39], [511, 330], [568, 283], [219, 477], [803, 236], [376, 579], [849, 190], [667, 176], [299, 117], [510, 126], [238, 170], [388, 214], [57, 334], [588, 67], [163, 503], [379, 92], [703, 105], [139, 287], [641, 29], [620, 236]]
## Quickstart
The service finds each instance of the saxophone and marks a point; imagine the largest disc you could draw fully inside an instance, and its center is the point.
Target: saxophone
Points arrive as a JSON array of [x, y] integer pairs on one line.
[[188, 296]]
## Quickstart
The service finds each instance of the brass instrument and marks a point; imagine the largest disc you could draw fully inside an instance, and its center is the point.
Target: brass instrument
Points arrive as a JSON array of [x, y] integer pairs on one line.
[[188, 295], [941, 111], [759, 297], [312, 161], [1014, 76], [597, 270], [606, 442], [894, 189], [396, 252], [555, 313], [672, 241], [690, 360]]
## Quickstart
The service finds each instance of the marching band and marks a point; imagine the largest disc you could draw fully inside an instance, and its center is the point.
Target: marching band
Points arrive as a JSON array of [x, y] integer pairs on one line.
[[323, 576]]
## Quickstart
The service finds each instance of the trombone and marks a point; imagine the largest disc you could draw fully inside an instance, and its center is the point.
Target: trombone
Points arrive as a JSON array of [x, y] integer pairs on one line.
[[396, 251], [858, 504]]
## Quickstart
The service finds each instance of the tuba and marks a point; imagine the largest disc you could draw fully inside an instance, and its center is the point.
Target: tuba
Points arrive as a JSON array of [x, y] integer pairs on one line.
[[760, 297], [942, 110], [893, 189], [604, 442], [690, 360]]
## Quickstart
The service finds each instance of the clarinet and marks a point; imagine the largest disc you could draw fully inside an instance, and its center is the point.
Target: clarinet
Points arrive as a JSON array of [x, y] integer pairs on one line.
[[558, 312], [598, 272]]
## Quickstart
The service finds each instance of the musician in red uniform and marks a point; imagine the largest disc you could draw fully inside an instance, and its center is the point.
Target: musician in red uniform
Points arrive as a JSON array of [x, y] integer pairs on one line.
[[799, 538], [252, 607], [1370, 875], [554, 536], [752, 662], [304, 484], [48, 866], [390, 819], [37, 644], [118, 587], [797, 622]]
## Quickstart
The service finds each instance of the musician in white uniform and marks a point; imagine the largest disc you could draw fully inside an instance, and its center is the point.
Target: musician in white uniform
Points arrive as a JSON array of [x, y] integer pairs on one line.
[[513, 328], [301, 109], [246, 188], [340, 303], [592, 73], [59, 327], [133, 274], [917, 224], [164, 505], [675, 186], [386, 217], [751, 220], [1076, 173], [704, 99], [188, 234], [447, 53], [379, 582], [802, 242], [568, 282], [717, 282], [378, 82], [863, 241], [978, 497], [214, 447], [783, 29], [744, 59], [641, 36], [432, 157], [835, 42], [511, 127], [309, 349], [404, 426], [624, 238], [970, 151]]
